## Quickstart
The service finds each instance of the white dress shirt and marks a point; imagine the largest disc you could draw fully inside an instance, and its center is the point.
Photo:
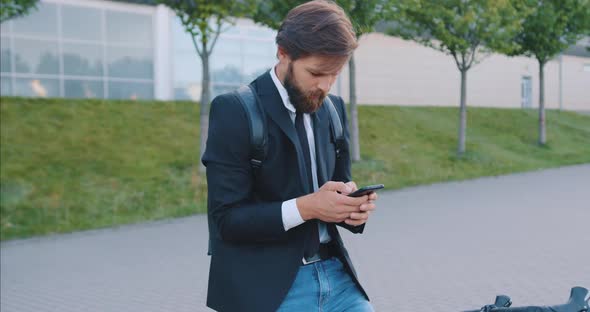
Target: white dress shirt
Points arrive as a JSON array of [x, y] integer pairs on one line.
[[290, 212]]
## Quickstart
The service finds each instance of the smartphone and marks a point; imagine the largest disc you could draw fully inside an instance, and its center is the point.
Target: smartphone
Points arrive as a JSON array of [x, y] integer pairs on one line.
[[366, 190]]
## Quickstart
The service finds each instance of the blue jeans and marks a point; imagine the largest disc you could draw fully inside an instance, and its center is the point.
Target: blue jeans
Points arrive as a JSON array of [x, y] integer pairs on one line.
[[324, 286]]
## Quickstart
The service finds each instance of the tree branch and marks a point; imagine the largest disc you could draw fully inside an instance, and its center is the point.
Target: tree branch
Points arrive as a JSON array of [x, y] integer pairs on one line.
[[454, 54], [462, 61], [196, 45], [483, 57], [216, 35], [472, 57]]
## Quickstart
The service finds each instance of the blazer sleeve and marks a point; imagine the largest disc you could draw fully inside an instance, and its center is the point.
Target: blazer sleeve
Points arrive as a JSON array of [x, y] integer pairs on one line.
[[234, 215], [342, 171]]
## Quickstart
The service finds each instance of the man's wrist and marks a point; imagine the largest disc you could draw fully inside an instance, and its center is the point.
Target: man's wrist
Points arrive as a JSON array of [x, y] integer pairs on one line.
[[304, 207]]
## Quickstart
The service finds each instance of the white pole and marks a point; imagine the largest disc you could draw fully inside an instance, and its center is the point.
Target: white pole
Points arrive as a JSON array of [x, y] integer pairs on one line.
[[560, 82], [163, 54]]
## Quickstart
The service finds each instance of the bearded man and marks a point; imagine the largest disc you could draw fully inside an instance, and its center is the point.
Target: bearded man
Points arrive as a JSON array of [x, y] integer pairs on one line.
[[274, 237]]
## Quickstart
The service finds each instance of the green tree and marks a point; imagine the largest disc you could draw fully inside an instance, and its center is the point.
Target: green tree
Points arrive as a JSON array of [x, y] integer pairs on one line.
[[552, 26], [204, 20], [464, 29], [15, 8], [364, 15]]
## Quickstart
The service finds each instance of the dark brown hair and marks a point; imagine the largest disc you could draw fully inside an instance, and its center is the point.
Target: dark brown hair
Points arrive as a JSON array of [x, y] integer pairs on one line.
[[317, 28]]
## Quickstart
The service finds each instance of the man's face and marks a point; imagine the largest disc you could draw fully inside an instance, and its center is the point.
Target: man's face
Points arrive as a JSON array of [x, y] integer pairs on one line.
[[309, 79]]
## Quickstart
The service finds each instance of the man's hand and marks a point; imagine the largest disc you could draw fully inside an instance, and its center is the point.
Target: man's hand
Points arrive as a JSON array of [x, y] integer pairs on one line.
[[331, 204], [361, 217]]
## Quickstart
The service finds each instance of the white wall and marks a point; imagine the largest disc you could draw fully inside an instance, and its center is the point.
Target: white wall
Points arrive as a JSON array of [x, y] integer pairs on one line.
[[394, 71]]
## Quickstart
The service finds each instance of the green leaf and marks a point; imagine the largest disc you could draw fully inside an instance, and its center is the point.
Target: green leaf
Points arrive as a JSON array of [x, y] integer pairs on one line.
[[552, 26], [461, 28], [15, 8]]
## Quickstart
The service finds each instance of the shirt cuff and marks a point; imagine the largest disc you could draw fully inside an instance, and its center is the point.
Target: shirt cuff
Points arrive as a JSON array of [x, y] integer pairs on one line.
[[291, 216]]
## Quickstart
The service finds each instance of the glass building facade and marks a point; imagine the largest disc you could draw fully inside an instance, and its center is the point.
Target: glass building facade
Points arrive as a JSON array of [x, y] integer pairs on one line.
[[72, 51], [114, 50], [241, 53]]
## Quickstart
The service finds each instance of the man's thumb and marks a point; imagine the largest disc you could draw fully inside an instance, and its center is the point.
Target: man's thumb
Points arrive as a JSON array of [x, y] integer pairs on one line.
[[337, 187]]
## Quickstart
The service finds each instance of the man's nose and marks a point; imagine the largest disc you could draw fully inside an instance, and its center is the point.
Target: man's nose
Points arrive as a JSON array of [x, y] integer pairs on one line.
[[326, 82]]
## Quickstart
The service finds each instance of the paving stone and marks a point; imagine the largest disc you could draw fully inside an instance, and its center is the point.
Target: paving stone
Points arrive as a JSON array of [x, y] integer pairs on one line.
[[442, 247]]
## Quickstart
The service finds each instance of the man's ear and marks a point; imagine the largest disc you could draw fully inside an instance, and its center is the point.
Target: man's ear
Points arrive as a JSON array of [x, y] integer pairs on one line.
[[282, 55]]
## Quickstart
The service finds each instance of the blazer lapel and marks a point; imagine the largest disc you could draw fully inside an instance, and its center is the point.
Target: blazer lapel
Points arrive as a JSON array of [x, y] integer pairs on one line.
[[273, 105]]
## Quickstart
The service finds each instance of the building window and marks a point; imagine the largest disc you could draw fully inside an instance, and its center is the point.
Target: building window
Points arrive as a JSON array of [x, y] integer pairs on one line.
[[243, 52], [62, 50]]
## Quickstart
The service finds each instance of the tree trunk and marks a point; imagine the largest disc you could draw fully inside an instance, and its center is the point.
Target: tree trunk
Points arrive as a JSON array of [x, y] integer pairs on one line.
[[354, 121], [205, 99], [463, 113], [542, 134]]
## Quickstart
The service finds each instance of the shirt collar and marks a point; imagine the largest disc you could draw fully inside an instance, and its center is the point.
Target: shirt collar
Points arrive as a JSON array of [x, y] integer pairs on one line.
[[282, 90]]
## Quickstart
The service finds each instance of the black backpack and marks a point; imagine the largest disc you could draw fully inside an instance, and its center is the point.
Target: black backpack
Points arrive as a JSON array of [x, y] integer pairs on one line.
[[258, 135]]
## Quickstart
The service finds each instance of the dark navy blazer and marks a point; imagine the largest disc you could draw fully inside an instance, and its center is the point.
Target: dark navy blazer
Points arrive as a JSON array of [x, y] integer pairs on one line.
[[254, 260]]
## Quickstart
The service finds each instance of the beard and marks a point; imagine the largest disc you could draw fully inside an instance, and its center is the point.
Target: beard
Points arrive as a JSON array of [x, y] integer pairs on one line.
[[304, 102]]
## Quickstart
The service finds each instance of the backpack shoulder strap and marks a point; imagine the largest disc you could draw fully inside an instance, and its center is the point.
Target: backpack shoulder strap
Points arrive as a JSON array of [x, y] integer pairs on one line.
[[335, 126], [258, 146], [248, 98]]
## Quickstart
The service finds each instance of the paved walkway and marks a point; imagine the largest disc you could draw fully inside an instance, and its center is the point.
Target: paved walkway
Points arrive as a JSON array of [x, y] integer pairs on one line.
[[444, 247]]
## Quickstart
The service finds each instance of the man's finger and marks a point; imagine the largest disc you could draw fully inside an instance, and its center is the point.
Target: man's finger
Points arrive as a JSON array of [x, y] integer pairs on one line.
[[373, 196], [354, 222], [354, 201], [337, 187], [347, 209], [368, 207], [352, 186], [359, 215]]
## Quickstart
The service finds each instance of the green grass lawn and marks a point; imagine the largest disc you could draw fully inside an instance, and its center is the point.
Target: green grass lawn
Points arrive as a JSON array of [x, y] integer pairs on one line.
[[70, 165], [403, 146]]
